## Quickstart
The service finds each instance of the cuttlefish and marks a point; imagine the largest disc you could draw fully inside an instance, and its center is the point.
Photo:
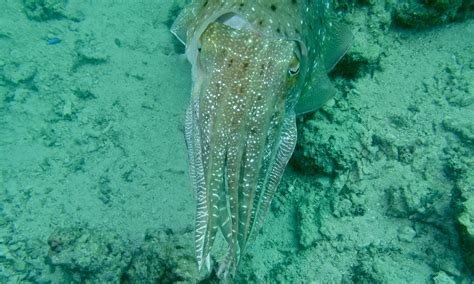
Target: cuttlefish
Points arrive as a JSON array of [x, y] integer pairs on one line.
[[256, 65]]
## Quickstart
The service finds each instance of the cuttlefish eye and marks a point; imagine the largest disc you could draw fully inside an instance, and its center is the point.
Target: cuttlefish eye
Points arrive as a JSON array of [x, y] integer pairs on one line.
[[294, 68]]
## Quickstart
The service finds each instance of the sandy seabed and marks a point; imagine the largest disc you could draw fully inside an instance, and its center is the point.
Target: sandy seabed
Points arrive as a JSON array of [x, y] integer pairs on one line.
[[93, 168]]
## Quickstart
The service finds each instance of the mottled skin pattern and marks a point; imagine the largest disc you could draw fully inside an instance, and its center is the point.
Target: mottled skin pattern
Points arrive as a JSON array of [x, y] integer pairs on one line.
[[237, 116], [256, 64]]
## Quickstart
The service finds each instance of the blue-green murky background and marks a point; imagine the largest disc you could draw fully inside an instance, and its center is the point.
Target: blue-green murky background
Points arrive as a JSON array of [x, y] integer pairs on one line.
[[93, 170]]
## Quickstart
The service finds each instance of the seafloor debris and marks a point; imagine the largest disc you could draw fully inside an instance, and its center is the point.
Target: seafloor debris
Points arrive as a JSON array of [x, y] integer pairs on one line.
[[43, 10], [87, 255], [84, 254], [164, 257], [423, 14]]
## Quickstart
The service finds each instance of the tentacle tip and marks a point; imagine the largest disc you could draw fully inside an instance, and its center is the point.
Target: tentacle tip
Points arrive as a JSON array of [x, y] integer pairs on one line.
[[206, 261]]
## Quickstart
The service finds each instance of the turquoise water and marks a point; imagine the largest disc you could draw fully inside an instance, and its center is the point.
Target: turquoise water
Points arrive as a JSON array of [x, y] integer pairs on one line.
[[94, 182]]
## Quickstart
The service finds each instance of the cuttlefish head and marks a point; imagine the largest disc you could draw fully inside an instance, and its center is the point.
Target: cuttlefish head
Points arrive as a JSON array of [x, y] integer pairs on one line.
[[240, 131]]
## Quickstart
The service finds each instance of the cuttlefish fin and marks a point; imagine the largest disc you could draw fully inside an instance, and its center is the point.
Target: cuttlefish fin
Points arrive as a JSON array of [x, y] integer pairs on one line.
[[319, 88], [182, 22], [196, 171], [318, 91], [338, 40]]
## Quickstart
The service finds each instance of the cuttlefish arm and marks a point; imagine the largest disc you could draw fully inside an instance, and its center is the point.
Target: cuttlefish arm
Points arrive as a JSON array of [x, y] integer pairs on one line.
[[240, 132]]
